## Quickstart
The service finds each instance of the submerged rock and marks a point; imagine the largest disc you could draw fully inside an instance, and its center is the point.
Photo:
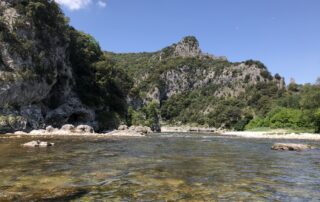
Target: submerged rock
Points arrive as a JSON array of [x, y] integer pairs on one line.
[[290, 147], [57, 194], [125, 133], [38, 143]]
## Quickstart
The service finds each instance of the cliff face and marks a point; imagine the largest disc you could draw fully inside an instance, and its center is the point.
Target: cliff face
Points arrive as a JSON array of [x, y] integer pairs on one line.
[[36, 78]]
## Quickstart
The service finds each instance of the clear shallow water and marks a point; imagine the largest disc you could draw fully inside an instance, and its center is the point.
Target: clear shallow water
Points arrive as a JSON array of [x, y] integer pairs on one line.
[[164, 167]]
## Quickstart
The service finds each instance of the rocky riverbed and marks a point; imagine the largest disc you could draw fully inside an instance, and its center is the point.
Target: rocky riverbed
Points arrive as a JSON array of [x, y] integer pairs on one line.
[[158, 167]]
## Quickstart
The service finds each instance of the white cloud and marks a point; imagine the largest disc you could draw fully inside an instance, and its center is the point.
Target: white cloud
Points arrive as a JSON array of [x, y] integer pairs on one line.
[[102, 4], [74, 4]]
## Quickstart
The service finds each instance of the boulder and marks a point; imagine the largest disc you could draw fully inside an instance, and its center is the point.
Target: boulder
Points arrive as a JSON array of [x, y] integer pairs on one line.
[[290, 147], [38, 132], [38, 143], [50, 129], [84, 129], [142, 129], [132, 128], [20, 133], [68, 128], [123, 127]]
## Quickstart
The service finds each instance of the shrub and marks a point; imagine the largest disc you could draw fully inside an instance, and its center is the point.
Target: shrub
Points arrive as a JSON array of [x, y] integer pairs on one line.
[[317, 121]]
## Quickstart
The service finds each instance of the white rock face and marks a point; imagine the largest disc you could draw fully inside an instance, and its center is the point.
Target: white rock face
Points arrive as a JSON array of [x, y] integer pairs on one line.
[[35, 73], [188, 47]]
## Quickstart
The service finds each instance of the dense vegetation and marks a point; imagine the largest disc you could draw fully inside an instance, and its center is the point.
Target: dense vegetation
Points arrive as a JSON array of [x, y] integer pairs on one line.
[[118, 86], [298, 108], [99, 83], [261, 105]]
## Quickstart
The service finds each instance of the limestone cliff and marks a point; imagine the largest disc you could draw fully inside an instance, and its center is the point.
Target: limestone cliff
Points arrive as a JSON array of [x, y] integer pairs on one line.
[[36, 78]]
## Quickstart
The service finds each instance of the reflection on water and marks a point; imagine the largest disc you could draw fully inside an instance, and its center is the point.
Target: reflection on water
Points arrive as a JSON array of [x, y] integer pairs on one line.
[[158, 168]]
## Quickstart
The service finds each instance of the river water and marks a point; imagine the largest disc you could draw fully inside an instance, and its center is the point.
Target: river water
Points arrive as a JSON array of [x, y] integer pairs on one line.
[[162, 167]]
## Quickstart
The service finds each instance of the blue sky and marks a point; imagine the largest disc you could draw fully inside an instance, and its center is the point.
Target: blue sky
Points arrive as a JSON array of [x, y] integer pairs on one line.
[[283, 34]]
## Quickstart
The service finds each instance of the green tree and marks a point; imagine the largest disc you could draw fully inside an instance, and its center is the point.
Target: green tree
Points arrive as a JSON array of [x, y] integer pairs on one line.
[[84, 52], [310, 97], [317, 83], [317, 121]]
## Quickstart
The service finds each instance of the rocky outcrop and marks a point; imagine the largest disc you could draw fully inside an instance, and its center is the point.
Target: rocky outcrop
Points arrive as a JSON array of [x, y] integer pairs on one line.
[[290, 147], [36, 78], [231, 81], [188, 47]]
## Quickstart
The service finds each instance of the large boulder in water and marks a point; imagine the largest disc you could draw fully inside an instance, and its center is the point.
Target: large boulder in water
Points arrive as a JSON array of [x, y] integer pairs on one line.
[[290, 147]]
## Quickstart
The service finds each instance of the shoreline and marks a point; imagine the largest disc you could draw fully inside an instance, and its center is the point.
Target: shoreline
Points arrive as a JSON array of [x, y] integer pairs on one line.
[[272, 134]]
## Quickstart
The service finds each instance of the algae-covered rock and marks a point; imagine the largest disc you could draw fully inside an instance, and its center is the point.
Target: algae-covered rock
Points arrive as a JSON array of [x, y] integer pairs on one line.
[[57, 194], [290, 147]]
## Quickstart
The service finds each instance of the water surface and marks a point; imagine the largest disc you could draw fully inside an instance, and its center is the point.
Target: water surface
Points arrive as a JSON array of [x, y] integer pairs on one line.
[[166, 167]]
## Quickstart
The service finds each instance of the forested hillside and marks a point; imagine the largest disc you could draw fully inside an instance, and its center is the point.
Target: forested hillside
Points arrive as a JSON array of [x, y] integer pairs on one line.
[[181, 85]]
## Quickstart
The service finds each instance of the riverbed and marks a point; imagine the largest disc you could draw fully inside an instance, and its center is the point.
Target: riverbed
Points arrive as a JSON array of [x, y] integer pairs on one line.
[[160, 167]]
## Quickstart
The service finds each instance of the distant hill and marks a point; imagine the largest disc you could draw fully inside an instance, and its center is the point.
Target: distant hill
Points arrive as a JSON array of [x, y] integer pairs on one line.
[[189, 86]]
